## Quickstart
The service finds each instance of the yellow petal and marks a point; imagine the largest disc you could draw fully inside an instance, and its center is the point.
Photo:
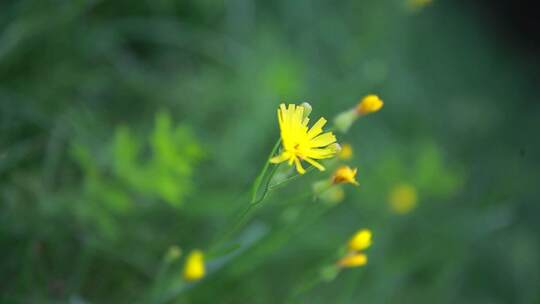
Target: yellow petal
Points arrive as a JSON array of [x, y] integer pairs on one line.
[[314, 163], [280, 158], [316, 129], [299, 167], [322, 140]]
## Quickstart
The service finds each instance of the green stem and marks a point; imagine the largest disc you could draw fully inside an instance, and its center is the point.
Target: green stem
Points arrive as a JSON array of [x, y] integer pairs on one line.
[[260, 177], [246, 213]]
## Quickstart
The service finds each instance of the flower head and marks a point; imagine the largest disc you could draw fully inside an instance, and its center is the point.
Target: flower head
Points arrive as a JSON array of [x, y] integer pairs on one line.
[[353, 260], [194, 267], [345, 174], [346, 152], [403, 198], [361, 240], [369, 104], [300, 143]]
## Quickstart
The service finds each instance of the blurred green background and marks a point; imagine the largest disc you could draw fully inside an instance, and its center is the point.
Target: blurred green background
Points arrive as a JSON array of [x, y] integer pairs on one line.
[[128, 127]]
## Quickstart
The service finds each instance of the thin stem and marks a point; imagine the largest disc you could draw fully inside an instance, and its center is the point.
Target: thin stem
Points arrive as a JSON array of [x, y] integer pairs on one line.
[[278, 185], [245, 214], [259, 179]]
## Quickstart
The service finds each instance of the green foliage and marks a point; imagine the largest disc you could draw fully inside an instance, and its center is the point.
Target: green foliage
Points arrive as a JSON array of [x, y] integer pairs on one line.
[[136, 171]]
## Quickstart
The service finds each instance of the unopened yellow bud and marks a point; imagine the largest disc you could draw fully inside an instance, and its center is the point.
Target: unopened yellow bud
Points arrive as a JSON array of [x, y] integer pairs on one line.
[[353, 260], [369, 104], [361, 240], [194, 268], [346, 152], [403, 198], [345, 174]]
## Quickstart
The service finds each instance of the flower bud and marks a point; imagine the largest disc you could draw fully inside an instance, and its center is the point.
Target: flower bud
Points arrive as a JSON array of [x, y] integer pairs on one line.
[[346, 152], [194, 268], [353, 260], [345, 174], [369, 104], [403, 198], [361, 240], [344, 120]]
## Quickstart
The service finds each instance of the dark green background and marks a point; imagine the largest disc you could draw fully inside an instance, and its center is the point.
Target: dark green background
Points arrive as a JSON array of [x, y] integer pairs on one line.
[[130, 126]]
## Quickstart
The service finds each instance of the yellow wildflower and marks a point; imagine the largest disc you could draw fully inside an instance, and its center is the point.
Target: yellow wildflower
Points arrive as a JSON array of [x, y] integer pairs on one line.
[[353, 260], [346, 152], [345, 174], [369, 104], [300, 143], [194, 269], [403, 198], [361, 240]]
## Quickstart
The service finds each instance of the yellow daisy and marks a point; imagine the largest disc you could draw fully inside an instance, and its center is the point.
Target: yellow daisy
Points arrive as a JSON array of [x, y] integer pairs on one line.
[[300, 143]]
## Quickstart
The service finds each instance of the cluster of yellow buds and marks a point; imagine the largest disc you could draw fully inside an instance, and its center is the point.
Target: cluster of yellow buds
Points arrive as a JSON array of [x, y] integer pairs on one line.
[[355, 257], [369, 104]]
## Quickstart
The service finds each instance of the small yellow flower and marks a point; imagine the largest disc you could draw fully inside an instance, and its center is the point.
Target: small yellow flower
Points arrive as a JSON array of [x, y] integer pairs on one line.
[[346, 152], [403, 198], [194, 268], [369, 104], [353, 260], [300, 143], [345, 174], [361, 240]]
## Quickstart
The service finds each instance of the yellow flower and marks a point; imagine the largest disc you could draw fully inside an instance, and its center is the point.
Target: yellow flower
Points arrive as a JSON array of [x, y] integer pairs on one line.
[[300, 143], [361, 240], [194, 267], [346, 152], [369, 104], [345, 174], [403, 198], [353, 260]]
